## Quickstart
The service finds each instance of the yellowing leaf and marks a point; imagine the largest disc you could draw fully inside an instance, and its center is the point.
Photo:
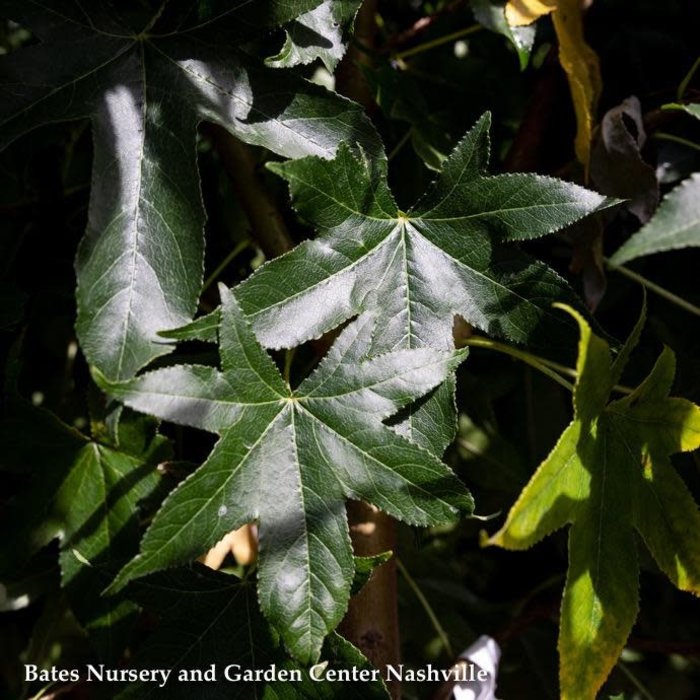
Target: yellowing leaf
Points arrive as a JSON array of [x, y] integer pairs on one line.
[[522, 12], [610, 475], [577, 58]]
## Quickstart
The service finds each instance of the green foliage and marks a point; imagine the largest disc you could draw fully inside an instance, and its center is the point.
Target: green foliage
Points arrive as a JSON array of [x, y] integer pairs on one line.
[[288, 459], [321, 33], [609, 475], [329, 372], [98, 531], [209, 615], [417, 270], [676, 224], [147, 81]]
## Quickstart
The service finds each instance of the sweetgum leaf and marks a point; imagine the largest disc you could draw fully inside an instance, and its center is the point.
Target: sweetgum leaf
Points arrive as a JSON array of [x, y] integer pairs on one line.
[[610, 475], [88, 495], [289, 459], [147, 82], [446, 256], [207, 617]]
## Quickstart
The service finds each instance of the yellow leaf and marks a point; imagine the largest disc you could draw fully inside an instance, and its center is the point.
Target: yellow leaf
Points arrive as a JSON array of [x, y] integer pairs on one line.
[[580, 63], [608, 476], [577, 58], [522, 12]]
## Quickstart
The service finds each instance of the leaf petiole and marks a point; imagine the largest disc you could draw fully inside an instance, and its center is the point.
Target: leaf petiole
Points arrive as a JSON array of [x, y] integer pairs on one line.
[[653, 287], [663, 136], [532, 360], [683, 86], [539, 363], [434, 43], [426, 606]]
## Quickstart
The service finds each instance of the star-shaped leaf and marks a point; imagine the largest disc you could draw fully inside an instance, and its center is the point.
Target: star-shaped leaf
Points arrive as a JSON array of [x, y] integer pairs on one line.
[[610, 475], [446, 256], [290, 459], [206, 618], [147, 82]]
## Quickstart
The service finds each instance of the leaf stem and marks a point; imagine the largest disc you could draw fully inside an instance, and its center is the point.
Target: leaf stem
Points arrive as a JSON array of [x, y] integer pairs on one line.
[[434, 43], [288, 359], [663, 136], [540, 363], [238, 249], [652, 287], [401, 143], [426, 606], [635, 681], [532, 360], [688, 77], [571, 372]]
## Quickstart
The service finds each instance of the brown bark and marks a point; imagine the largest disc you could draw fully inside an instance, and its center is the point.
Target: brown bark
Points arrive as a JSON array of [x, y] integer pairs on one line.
[[371, 622], [268, 227]]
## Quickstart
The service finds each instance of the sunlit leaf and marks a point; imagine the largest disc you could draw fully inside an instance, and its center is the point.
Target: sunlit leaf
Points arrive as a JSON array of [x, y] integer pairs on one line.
[[610, 475], [289, 460], [676, 224]]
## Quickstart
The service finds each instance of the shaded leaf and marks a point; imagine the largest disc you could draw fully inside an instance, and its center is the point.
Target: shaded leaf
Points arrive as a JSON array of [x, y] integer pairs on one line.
[[147, 83], [86, 494], [617, 166], [676, 224], [610, 475], [319, 33], [399, 97], [206, 618], [289, 459]]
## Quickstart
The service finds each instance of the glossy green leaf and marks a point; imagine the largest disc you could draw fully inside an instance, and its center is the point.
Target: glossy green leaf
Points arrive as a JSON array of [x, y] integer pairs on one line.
[[676, 224], [86, 494], [206, 618], [446, 256], [610, 475], [289, 460], [319, 33], [147, 82]]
